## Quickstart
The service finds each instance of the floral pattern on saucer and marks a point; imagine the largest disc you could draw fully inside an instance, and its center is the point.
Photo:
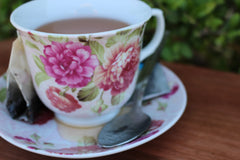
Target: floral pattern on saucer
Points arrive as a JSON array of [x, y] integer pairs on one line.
[[45, 139]]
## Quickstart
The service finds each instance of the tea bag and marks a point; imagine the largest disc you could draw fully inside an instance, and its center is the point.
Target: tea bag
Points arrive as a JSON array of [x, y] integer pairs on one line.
[[22, 100], [157, 84]]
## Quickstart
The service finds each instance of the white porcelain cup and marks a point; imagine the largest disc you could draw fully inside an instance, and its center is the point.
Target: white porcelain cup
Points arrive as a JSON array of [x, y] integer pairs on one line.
[[85, 78]]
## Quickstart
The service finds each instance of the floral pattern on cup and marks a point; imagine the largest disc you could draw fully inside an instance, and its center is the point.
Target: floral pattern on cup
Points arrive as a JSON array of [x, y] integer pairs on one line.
[[117, 73], [70, 63], [64, 102], [88, 69]]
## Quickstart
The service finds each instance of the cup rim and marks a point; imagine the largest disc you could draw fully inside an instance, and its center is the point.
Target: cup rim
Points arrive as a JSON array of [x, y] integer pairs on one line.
[[109, 32]]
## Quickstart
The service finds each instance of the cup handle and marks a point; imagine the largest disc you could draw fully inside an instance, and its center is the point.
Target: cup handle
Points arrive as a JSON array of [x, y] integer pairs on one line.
[[158, 35]]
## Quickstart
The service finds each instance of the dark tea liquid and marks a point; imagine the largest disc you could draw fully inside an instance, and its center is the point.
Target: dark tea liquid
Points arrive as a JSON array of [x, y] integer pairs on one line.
[[82, 25]]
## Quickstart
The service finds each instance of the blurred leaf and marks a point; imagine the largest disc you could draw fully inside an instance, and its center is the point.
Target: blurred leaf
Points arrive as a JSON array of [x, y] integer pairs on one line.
[[213, 22], [6, 7], [167, 54], [172, 17], [234, 21], [205, 9], [233, 34], [188, 19], [176, 4], [219, 41], [182, 30], [237, 3], [186, 51]]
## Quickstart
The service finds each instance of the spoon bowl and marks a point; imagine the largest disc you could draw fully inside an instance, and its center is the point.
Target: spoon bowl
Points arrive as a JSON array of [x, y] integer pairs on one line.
[[126, 127]]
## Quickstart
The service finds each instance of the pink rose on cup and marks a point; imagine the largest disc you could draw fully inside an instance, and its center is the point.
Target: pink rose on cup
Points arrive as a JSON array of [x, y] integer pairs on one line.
[[66, 103], [117, 72], [70, 63]]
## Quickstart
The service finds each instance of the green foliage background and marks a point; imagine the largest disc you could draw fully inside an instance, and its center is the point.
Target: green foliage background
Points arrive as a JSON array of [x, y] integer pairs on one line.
[[201, 32]]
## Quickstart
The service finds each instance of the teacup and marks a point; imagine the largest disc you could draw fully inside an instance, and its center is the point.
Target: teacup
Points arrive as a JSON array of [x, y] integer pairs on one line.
[[85, 78]]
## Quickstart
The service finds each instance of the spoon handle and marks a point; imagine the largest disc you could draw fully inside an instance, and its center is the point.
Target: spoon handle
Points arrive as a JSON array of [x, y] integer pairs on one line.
[[139, 92], [143, 78]]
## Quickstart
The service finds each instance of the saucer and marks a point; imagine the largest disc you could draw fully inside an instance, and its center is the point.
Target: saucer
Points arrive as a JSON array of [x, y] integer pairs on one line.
[[57, 140]]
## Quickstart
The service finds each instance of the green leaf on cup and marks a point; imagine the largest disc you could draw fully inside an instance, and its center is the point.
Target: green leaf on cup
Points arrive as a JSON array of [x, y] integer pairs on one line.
[[39, 63], [82, 39], [36, 38], [99, 107], [115, 39], [31, 45], [122, 36], [117, 99], [3, 93], [98, 37], [124, 32], [73, 89], [111, 41], [57, 39], [136, 32], [88, 93], [98, 50], [42, 42], [40, 77]]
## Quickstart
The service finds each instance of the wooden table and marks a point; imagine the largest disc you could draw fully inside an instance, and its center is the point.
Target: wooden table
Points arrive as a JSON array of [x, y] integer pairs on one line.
[[208, 130]]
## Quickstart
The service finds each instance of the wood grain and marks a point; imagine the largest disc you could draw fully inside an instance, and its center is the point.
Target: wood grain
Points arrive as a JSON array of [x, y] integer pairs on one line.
[[5, 49], [208, 130]]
